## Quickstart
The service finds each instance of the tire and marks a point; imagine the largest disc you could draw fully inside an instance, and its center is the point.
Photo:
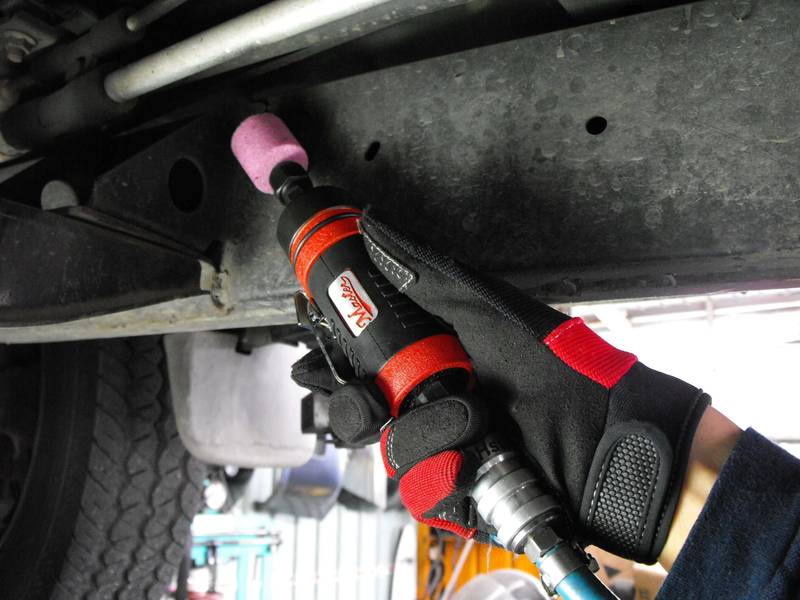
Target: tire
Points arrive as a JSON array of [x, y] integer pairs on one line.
[[110, 493]]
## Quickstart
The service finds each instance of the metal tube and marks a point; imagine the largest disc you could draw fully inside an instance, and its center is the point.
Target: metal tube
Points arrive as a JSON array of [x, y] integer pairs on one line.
[[254, 30], [151, 13]]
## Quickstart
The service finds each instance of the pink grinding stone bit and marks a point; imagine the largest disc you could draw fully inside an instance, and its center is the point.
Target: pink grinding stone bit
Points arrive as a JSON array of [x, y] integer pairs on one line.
[[261, 143]]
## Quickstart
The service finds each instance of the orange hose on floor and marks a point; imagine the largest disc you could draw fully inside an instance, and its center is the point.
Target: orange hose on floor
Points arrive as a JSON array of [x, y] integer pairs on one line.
[[482, 559]]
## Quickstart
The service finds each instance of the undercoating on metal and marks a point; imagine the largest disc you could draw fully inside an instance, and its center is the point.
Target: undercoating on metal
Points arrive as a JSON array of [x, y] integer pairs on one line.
[[231, 213], [65, 61], [232, 224], [686, 184], [74, 108], [691, 186], [287, 30], [55, 268]]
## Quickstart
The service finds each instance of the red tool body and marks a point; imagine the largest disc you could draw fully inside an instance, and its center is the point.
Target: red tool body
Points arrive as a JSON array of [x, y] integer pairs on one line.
[[386, 337]]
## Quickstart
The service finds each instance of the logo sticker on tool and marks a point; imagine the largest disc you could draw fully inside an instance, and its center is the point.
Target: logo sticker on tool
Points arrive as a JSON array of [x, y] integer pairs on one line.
[[353, 303]]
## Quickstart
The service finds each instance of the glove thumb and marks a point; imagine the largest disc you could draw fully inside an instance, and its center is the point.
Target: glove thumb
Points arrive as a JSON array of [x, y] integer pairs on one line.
[[469, 302]]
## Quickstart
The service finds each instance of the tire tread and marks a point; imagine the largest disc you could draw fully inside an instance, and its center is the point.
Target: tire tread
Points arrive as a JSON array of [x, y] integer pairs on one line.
[[142, 489]]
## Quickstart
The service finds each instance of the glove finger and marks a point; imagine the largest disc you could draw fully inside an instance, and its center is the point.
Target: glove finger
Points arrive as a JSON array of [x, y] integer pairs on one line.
[[433, 491], [313, 373], [431, 429], [443, 286]]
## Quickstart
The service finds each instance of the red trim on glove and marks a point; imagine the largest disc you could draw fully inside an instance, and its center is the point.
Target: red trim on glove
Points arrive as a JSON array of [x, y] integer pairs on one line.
[[429, 482], [589, 354], [454, 527], [415, 363]]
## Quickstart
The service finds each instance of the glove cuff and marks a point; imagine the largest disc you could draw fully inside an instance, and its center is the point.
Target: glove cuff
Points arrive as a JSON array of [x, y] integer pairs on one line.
[[636, 476]]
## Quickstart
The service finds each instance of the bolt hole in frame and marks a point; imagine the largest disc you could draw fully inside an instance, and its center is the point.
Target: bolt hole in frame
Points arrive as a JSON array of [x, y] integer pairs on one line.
[[186, 185], [372, 151], [596, 125]]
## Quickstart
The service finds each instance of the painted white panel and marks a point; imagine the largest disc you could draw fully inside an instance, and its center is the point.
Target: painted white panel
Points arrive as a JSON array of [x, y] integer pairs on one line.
[[368, 556], [327, 557], [348, 557], [306, 559]]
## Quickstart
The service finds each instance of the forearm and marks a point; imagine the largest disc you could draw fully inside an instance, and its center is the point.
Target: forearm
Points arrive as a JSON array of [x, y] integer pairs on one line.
[[713, 442]]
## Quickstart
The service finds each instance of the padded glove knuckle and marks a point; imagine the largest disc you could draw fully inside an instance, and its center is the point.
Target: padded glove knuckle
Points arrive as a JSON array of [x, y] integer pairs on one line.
[[357, 413], [432, 428]]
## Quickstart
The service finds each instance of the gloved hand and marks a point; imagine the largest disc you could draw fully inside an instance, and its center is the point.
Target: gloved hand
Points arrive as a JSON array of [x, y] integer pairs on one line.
[[609, 435]]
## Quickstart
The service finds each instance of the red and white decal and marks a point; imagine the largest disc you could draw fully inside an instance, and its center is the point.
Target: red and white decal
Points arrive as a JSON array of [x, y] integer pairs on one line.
[[353, 303]]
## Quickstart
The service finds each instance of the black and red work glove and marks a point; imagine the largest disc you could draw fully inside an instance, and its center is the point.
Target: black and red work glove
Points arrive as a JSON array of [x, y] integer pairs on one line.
[[609, 435]]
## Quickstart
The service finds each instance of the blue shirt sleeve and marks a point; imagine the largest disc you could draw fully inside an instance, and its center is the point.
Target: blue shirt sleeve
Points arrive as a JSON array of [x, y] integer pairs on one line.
[[746, 542]]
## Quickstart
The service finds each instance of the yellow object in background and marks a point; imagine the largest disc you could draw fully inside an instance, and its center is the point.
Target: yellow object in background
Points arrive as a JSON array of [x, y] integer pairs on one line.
[[438, 555]]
